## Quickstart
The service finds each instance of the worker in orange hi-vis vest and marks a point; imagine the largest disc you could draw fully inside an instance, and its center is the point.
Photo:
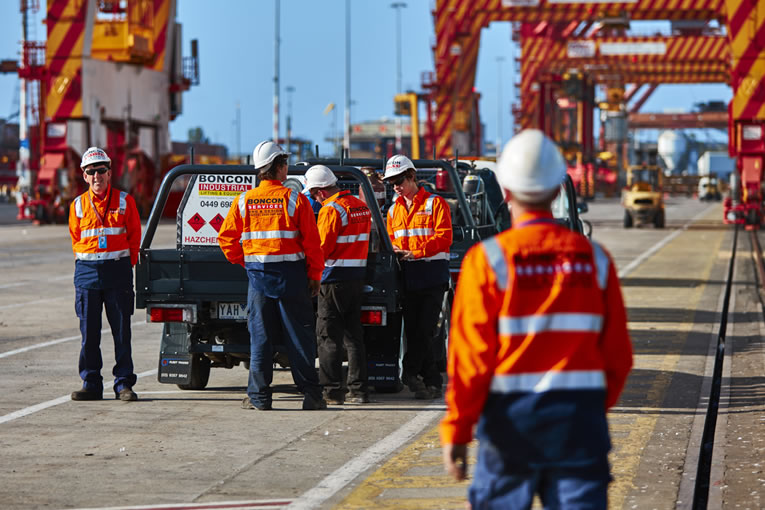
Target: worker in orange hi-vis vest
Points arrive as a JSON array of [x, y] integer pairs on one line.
[[538, 351], [420, 226], [106, 234], [271, 231], [344, 224]]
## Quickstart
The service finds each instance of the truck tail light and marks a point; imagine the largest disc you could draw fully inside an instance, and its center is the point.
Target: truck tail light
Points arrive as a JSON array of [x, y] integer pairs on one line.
[[373, 315], [171, 313]]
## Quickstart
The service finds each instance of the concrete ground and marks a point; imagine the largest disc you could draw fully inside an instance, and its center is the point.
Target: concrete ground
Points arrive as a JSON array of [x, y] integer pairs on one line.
[[199, 448]]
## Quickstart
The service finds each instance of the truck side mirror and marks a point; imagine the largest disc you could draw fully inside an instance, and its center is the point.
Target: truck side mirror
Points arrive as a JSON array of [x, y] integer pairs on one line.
[[582, 207]]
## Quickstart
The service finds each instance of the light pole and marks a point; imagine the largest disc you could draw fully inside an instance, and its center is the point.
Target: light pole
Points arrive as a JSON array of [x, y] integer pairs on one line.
[[276, 72], [499, 105], [290, 89], [347, 130], [397, 6]]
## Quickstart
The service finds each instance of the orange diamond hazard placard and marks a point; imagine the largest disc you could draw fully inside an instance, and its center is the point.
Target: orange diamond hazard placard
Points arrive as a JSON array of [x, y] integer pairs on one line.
[[196, 222], [216, 222]]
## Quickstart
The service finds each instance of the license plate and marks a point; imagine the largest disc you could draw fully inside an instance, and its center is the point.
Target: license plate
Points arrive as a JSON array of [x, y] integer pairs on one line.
[[235, 311]]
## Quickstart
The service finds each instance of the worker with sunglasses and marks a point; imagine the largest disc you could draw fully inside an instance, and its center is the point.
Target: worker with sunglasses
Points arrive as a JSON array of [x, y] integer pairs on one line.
[[420, 227], [106, 234]]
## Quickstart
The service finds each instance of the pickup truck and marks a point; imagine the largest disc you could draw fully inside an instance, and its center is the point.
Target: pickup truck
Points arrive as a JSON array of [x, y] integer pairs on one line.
[[201, 298]]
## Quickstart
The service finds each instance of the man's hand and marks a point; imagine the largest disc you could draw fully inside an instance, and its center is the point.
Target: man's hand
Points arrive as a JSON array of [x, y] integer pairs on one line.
[[455, 460], [313, 287], [404, 254]]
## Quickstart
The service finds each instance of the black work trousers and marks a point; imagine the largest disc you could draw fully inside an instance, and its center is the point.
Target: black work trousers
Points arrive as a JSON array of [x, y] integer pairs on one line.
[[339, 323], [421, 310]]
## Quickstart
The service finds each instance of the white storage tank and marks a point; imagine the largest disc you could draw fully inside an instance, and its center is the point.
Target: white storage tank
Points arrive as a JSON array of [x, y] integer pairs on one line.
[[673, 150]]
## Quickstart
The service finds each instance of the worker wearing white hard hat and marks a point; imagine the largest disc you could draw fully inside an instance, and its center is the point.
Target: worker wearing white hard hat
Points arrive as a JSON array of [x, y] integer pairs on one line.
[[271, 231], [538, 351], [420, 227], [344, 224], [106, 233]]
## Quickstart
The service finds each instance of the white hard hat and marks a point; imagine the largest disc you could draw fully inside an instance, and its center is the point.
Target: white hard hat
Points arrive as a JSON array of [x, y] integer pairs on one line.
[[531, 166], [397, 165], [319, 176], [265, 153], [94, 155]]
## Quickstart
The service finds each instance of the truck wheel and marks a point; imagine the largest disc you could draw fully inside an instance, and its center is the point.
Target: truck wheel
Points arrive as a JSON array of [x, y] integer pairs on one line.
[[658, 220], [442, 339], [627, 219], [200, 373]]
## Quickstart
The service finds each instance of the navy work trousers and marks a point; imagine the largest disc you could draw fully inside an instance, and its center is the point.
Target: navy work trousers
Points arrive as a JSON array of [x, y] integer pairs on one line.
[[498, 486], [421, 310], [89, 304], [289, 318], [339, 323]]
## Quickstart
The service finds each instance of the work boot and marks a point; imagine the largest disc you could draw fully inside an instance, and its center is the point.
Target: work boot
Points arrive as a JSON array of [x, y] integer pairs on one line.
[[335, 397], [247, 404], [361, 398], [84, 394], [417, 387], [435, 391], [312, 404], [126, 395]]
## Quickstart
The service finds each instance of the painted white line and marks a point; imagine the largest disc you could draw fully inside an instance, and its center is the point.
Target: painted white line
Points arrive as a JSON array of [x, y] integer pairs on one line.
[[227, 505], [661, 244], [27, 303], [371, 456], [9, 285], [60, 400], [57, 341]]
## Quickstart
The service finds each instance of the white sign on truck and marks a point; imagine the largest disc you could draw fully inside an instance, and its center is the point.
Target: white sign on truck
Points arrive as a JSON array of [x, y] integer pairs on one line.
[[206, 205]]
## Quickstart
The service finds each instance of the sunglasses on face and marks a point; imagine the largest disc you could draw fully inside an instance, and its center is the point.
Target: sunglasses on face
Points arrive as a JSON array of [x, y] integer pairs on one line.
[[94, 171], [398, 181]]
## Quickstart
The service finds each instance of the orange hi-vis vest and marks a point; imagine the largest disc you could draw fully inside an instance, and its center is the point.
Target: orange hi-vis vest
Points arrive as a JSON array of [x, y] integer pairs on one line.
[[538, 347], [344, 224], [274, 224], [102, 231], [425, 230]]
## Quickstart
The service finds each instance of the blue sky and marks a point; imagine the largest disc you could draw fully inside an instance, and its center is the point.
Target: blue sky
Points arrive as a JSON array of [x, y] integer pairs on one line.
[[236, 42]]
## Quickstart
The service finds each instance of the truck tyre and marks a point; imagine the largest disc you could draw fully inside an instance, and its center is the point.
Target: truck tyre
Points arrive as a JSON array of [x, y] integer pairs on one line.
[[658, 220], [200, 373], [442, 339], [627, 219]]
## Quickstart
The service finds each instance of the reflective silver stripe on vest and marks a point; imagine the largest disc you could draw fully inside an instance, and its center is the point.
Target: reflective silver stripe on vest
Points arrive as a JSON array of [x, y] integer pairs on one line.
[[345, 263], [429, 204], [106, 255], [292, 204], [413, 232], [601, 264], [390, 210], [94, 232], [78, 207], [496, 259], [242, 205], [123, 202], [352, 238], [289, 257], [546, 381], [270, 234], [343, 215], [561, 322], [438, 256]]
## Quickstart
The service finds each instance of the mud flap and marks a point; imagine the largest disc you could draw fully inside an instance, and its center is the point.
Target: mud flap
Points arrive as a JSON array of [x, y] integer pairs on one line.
[[174, 357], [383, 345]]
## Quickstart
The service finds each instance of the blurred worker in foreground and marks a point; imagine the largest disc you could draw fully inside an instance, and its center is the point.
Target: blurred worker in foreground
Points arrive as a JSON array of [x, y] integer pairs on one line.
[[271, 231], [538, 351], [106, 234], [420, 227], [344, 223]]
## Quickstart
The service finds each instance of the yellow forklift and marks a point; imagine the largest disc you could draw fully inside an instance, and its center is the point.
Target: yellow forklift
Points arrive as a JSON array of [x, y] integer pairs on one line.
[[643, 198]]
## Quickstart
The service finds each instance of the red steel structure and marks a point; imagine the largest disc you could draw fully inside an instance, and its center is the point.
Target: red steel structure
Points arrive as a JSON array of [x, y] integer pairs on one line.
[[91, 93]]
